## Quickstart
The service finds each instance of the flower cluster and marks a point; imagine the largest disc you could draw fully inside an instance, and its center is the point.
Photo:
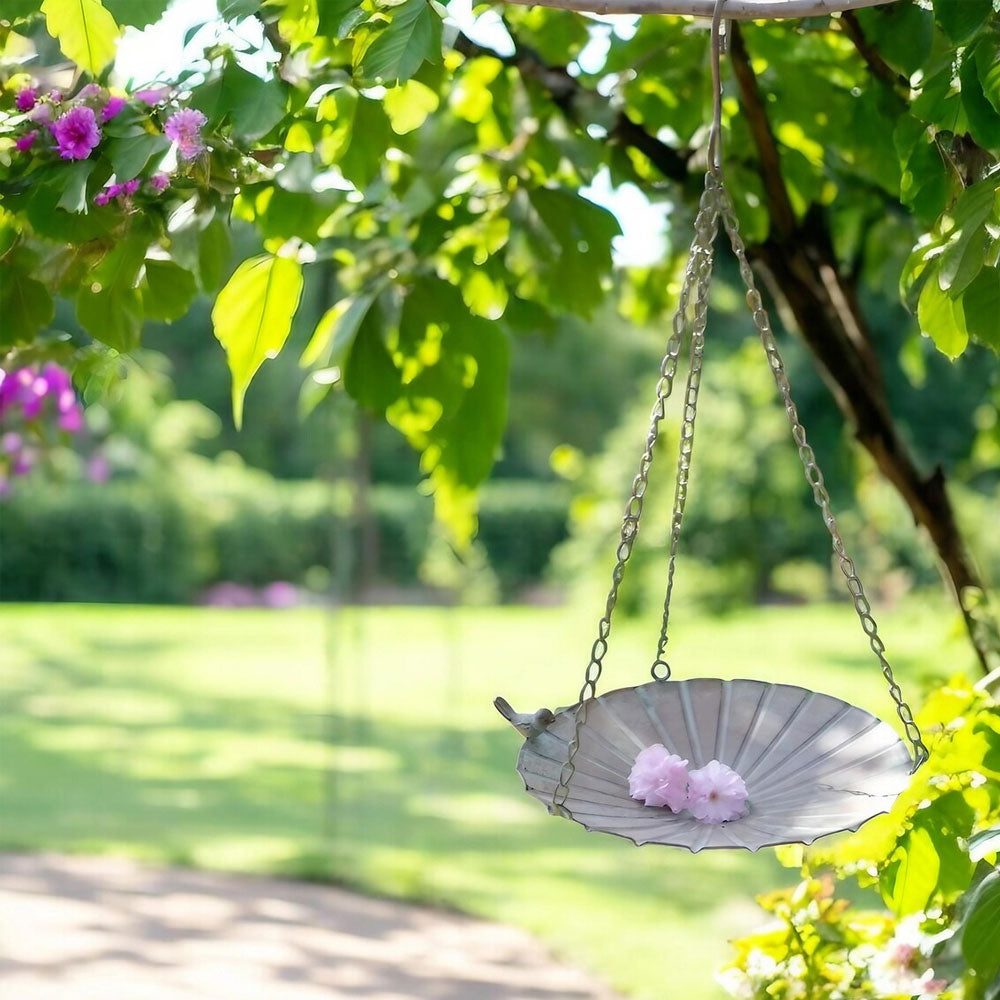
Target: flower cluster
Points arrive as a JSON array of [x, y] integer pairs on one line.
[[33, 403], [823, 950], [712, 794], [73, 128]]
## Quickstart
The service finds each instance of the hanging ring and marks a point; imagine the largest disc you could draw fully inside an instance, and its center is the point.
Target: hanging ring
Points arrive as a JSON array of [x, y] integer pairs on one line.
[[660, 670], [719, 36]]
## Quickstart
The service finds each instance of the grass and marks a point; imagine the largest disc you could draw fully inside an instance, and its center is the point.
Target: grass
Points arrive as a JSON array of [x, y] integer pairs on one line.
[[363, 747]]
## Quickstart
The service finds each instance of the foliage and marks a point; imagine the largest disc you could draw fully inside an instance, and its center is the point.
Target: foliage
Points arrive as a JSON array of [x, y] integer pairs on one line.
[[168, 536], [444, 182], [932, 857]]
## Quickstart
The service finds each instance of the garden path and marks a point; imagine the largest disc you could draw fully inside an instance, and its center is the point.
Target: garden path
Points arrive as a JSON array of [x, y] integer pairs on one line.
[[76, 928]]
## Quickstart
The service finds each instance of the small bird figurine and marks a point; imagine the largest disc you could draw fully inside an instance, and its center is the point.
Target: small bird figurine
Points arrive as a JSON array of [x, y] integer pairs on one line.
[[527, 725]]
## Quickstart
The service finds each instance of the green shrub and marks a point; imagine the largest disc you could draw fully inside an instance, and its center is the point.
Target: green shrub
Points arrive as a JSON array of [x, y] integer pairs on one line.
[[167, 540]]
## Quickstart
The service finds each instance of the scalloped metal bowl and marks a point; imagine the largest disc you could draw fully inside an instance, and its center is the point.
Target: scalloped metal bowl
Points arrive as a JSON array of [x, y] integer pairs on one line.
[[813, 764]]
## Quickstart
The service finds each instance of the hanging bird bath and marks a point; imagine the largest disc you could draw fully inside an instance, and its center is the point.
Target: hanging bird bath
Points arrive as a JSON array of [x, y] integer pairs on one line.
[[806, 764]]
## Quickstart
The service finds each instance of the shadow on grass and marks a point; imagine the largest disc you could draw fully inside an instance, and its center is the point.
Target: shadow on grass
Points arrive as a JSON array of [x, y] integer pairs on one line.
[[423, 811]]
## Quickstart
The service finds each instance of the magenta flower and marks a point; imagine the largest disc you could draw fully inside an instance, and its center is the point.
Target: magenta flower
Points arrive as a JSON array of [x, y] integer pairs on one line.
[[55, 96], [130, 187], [155, 95], [102, 197], [114, 107], [11, 442], [716, 793], [159, 182], [76, 133], [26, 99], [26, 141], [659, 778], [184, 129]]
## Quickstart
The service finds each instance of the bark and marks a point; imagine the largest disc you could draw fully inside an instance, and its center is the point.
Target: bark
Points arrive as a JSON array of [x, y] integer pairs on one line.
[[803, 270]]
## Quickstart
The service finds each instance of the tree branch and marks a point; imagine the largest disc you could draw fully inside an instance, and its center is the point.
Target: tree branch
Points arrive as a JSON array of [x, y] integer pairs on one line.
[[566, 92], [872, 57]]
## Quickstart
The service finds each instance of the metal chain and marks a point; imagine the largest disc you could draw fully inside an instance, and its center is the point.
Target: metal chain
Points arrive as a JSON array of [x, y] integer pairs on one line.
[[660, 669], [812, 470], [699, 267]]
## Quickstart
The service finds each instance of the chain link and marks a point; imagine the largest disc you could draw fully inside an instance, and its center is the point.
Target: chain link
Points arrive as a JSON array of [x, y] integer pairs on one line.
[[660, 669], [814, 475], [696, 274]]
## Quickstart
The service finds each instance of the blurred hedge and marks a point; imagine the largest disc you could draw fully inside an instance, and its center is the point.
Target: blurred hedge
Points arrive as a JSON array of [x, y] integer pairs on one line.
[[168, 541]]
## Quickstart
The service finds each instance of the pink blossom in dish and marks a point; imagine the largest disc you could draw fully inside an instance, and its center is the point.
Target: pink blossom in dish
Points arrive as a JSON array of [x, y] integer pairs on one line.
[[716, 793], [26, 99], [114, 107], [184, 129], [659, 778], [26, 141], [76, 133]]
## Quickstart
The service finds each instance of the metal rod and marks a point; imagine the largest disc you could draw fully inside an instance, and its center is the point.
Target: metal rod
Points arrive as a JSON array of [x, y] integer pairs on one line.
[[738, 10]]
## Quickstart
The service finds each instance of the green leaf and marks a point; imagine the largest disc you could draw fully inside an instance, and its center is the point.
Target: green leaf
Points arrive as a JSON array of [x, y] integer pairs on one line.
[[232, 10], [983, 843], [252, 105], [984, 121], [988, 67], [961, 19], [332, 15], [361, 162], [408, 106], [370, 376], [574, 247], [214, 248], [86, 32], [138, 13], [942, 318], [253, 315], [412, 37], [981, 929], [908, 883], [336, 330], [25, 304], [109, 306], [167, 290], [963, 259], [74, 178], [981, 308], [129, 156]]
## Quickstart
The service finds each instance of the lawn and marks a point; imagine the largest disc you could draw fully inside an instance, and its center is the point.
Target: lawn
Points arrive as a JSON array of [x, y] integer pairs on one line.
[[363, 746]]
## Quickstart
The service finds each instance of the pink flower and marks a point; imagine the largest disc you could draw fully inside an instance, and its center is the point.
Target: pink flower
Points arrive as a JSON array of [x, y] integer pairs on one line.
[[716, 793], [76, 133], [102, 197], [91, 90], [659, 778], [98, 469], [184, 128], [41, 113], [112, 108], [159, 182], [130, 187], [26, 141], [26, 99], [155, 95], [55, 96], [932, 987]]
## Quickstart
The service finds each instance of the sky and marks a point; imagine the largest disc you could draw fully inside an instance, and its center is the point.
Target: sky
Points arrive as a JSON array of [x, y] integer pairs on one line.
[[159, 51]]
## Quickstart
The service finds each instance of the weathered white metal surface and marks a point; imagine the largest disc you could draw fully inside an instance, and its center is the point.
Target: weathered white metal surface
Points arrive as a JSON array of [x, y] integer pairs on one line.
[[813, 764], [735, 10]]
